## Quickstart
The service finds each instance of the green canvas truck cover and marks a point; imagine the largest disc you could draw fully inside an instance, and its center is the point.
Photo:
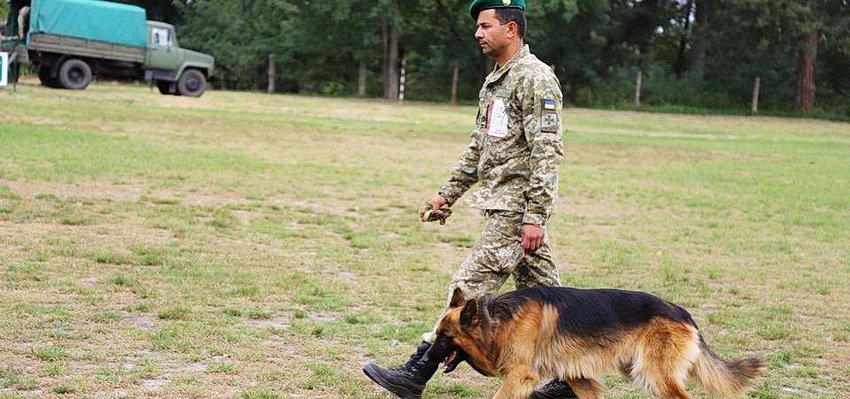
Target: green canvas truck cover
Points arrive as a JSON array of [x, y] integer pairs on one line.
[[91, 20]]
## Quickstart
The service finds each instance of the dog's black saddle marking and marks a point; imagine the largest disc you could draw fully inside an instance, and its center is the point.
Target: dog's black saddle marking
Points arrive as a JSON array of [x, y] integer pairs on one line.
[[595, 312]]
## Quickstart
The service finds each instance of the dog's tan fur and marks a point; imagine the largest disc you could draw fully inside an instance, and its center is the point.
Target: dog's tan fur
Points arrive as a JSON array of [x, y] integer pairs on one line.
[[528, 347]]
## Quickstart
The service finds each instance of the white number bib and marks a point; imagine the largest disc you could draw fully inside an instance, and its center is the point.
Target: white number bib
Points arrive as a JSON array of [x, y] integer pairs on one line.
[[497, 119]]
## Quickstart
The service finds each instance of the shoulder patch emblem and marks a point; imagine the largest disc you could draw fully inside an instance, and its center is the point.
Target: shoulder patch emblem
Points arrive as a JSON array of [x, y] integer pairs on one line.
[[550, 122], [549, 104]]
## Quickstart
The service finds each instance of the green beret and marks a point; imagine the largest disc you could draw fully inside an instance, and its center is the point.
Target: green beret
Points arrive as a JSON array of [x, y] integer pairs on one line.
[[479, 5]]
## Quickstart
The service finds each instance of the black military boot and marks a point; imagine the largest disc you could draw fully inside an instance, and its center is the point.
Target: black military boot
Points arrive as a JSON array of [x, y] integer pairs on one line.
[[555, 389], [408, 380]]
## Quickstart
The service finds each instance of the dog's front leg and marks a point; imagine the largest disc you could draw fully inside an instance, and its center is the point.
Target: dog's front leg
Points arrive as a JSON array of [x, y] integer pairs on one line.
[[518, 384]]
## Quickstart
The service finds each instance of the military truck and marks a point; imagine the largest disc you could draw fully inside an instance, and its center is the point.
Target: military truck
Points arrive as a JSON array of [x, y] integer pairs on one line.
[[69, 41]]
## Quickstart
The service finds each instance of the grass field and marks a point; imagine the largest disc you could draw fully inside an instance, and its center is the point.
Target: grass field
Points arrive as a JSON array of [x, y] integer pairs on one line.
[[249, 246]]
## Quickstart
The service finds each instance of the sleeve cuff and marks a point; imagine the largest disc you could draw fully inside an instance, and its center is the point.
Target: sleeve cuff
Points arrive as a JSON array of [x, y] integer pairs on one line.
[[536, 219]]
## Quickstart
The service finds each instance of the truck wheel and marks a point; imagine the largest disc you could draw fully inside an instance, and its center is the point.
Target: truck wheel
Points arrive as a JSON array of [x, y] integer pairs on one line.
[[192, 83], [165, 87], [74, 74], [45, 78]]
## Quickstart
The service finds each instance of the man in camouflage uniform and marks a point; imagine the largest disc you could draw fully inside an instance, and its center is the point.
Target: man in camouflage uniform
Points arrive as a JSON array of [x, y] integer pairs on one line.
[[514, 154]]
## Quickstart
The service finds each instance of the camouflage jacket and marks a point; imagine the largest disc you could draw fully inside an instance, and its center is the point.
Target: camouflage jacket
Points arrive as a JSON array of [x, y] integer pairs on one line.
[[516, 147]]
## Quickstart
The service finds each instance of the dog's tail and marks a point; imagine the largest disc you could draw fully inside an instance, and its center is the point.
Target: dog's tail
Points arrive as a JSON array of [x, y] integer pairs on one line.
[[726, 378]]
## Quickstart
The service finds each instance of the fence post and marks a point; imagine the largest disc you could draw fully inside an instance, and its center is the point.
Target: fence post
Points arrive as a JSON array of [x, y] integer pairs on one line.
[[271, 74], [756, 89], [455, 78], [638, 84], [361, 80], [402, 79]]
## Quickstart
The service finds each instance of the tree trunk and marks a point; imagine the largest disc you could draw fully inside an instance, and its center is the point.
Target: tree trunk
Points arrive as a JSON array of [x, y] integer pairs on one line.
[[455, 77], [804, 97], [361, 80], [700, 31], [681, 65], [384, 70], [391, 78]]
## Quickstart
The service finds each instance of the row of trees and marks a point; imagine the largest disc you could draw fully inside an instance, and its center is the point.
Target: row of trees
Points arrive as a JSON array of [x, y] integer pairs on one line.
[[701, 53]]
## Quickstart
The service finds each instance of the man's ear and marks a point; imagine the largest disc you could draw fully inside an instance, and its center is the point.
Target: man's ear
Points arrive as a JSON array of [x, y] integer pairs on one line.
[[469, 314], [513, 29], [458, 299]]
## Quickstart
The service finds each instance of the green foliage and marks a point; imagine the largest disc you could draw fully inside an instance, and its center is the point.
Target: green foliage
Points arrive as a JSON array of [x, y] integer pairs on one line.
[[157, 10], [259, 393], [595, 46], [50, 353]]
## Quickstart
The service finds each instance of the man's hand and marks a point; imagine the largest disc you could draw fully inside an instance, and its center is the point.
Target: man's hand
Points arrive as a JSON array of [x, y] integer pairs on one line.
[[437, 209], [532, 237], [437, 202]]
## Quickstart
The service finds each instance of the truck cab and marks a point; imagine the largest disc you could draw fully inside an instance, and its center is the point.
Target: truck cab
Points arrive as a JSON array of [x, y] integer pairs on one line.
[[174, 69]]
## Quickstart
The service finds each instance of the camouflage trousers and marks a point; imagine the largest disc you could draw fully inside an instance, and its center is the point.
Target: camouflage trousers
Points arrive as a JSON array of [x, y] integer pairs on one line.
[[497, 255]]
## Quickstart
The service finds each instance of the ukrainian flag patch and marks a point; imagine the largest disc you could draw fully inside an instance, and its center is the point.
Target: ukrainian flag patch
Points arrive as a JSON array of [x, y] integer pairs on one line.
[[549, 104]]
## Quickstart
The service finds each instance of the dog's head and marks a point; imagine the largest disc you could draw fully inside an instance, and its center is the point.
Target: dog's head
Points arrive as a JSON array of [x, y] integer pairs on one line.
[[464, 334]]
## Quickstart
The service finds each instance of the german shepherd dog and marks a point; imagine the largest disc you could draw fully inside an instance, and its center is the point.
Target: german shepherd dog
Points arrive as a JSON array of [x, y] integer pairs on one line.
[[536, 334]]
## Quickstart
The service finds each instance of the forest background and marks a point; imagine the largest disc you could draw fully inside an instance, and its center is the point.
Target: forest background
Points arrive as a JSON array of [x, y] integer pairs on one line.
[[693, 55]]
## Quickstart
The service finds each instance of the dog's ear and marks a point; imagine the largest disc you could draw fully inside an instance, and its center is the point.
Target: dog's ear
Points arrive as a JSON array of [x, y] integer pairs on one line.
[[484, 321], [457, 299], [469, 314], [484, 314]]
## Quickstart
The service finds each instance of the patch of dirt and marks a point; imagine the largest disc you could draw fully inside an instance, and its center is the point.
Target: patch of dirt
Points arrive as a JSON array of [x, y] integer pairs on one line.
[[206, 197], [279, 323], [143, 322], [81, 190], [315, 207], [197, 366], [88, 282], [306, 269], [120, 192], [120, 299], [154, 384], [346, 275], [296, 226], [323, 317]]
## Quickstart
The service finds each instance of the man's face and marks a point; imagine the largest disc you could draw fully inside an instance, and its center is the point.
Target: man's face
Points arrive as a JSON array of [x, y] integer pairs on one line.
[[491, 34]]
